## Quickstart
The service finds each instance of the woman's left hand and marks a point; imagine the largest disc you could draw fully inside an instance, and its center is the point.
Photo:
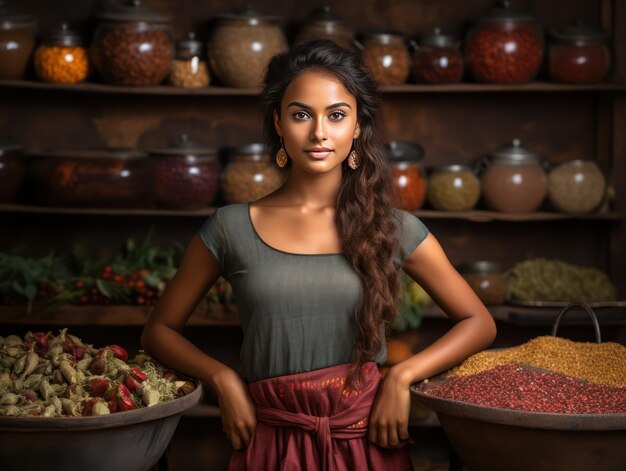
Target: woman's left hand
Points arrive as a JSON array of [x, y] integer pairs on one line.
[[389, 420]]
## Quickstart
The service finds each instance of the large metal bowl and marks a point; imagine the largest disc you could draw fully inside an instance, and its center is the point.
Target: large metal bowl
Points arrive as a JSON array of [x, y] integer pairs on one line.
[[492, 439], [132, 440]]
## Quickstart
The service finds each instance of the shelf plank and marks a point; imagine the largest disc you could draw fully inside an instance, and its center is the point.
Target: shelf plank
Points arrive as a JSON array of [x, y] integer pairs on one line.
[[474, 216], [164, 90]]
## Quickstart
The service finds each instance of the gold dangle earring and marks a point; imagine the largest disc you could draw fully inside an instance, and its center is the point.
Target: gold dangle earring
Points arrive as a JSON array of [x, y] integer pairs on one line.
[[281, 155], [353, 158]]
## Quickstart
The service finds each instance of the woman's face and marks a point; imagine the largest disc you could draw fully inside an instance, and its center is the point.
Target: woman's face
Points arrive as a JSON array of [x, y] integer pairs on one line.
[[318, 122]]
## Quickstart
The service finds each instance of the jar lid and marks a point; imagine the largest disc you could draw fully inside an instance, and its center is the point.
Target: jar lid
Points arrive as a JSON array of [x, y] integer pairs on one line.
[[131, 11], [437, 39], [515, 154], [7, 147], [112, 153], [502, 12], [63, 36], [190, 45], [405, 151], [9, 18], [451, 168], [248, 15], [383, 35], [184, 146], [479, 267], [323, 15], [254, 148], [578, 32]]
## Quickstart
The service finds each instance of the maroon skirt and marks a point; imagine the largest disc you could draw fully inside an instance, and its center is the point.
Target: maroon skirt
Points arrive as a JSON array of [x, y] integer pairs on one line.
[[309, 421]]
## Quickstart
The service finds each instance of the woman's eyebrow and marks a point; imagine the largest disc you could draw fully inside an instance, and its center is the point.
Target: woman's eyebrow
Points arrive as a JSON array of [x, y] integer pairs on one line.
[[307, 107]]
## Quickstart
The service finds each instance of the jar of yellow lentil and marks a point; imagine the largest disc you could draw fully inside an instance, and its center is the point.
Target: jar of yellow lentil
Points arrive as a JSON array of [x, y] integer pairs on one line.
[[61, 58]]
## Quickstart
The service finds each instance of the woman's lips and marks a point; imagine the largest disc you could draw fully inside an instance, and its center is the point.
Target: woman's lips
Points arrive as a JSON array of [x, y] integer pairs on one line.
[[319, 154]]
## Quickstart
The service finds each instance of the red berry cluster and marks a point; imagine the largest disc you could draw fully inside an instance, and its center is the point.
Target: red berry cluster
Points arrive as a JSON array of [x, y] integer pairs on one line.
[[141, 293]]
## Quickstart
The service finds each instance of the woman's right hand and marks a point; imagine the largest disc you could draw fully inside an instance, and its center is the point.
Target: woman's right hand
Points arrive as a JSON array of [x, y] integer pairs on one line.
[[237, 408]]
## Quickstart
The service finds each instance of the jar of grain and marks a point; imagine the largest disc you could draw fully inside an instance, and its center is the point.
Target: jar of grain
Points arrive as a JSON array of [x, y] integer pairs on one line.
[[504, 46], [189, 69], [250, 174], [579, 54], [61, 58], [241, 47], [386, 56], [514, 180], [437, 59], [132, 45], [17, 41], [408, 175], [577, 186], [487, 281], [453, 188], [12, 170], [322, 24]]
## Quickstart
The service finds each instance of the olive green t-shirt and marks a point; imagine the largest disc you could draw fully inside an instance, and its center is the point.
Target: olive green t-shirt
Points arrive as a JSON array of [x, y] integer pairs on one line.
[[296, 310]]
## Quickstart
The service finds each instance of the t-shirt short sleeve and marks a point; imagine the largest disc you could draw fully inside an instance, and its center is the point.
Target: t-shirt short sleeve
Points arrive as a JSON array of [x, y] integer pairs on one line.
[[412, 231], [213, 235]]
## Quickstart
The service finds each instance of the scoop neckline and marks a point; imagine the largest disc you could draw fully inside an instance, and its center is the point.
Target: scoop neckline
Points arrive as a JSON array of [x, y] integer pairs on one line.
[[260, 239]]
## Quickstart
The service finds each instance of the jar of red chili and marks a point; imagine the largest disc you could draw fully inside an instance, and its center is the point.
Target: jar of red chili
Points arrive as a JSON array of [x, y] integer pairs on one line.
[[387, 57], [437, 59], [504, 47], [579, 54], [186, 175], [408, 174], [514, 180]]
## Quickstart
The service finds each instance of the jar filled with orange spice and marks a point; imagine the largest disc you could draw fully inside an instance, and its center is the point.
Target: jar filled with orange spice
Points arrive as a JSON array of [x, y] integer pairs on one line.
[[408, 174], [61, 58]]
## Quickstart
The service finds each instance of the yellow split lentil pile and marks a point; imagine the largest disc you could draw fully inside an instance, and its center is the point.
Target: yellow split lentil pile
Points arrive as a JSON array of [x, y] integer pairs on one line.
[[599, 363]]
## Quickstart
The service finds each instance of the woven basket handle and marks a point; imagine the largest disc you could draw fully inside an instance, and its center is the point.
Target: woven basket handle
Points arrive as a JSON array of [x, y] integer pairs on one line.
[[584, 306]]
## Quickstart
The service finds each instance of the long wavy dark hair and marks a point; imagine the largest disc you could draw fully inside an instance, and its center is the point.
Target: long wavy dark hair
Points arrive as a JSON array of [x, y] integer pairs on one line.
[[364, 217]]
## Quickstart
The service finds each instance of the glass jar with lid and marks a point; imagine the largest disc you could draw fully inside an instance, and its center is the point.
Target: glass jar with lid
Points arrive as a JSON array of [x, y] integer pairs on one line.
[[12, 170], [453, 188], [62, 58], [408, 175], [189, 69], [514, 180], [17, 41], [486, 279], [241, 47], [437, 59], [504, 46], [132, 45], [250, 174], [577, 186], [185, 175], [386, 56], [579, 54], [322, 24], [95, 178]]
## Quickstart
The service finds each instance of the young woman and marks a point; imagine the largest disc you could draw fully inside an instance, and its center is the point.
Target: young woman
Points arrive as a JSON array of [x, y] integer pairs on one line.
[[314, 267]]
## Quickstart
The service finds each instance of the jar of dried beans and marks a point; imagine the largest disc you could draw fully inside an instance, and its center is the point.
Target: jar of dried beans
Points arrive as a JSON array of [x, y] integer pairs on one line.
[[242, 45], [487, 281], [17, 41], [514, 180], [437, 59], [61, 58], [579, 54], [189, 69], [453, 188], [250, 174], [12, 170], [577, 186], [323, 24], [386, 56], [504, 47], [186, 175], [132, 45], [408, 175]]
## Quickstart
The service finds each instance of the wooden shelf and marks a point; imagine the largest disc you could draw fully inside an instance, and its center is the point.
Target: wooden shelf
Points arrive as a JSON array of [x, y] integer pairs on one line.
[[475, 216], [89, 87]]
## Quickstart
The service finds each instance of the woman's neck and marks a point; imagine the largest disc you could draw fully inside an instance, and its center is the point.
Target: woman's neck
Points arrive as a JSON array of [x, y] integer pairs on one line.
[[312, 191]]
